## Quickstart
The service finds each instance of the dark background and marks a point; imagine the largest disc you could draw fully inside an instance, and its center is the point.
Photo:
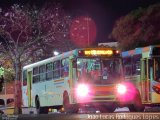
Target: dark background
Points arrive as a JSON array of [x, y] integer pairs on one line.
[[103, 12]]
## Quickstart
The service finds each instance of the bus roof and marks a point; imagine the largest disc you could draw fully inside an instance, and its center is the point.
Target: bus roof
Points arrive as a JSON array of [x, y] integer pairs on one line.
[[61, 56], [140, 50], [48, 60]]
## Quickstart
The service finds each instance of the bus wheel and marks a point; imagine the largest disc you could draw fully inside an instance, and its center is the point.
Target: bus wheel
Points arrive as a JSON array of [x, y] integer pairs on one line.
[[111, 108], [107, 108], [69, 108], [137, 106], [103, 109], [37, 104]]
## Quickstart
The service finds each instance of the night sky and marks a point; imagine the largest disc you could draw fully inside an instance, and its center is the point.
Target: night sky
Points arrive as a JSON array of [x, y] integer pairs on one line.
[[103, 12]]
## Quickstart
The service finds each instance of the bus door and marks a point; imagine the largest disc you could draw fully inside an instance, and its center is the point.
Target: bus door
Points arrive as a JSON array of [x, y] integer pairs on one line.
[[29, 87], [73, 77], [146, 74], [155, 82]]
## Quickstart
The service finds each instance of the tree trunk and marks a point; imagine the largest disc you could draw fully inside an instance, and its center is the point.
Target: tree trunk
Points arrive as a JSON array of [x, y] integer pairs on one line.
[[18, 91]]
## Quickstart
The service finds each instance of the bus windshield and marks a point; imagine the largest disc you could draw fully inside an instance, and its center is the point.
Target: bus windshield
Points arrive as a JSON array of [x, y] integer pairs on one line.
[[99, 70]]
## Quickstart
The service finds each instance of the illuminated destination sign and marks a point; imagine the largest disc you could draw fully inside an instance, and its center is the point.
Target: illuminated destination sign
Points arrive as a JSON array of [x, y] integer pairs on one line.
[[98, 52], [95, 52]]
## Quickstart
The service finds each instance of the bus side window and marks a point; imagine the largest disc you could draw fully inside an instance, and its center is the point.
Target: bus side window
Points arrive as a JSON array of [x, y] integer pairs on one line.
[[42, 71], [150, 69], [136, 64], [35, 74], [65, 67], [127, 66], [157, 70], [49, 68], [56, 69], [24, 77]]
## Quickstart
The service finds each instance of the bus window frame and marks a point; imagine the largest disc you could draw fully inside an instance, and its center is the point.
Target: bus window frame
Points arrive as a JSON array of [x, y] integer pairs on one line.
[[49, 72], [129, 66], [56, 69], [136, 61], [64, 67], [24, 77], [155, 70], [36, 77], [42, 72], [151, 65]]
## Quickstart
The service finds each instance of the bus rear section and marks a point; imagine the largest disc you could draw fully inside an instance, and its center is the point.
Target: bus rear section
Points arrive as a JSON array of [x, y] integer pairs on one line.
[[142, 68]]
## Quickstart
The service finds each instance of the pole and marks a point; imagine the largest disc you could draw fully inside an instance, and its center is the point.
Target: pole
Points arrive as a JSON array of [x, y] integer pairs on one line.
[[5, 94], [88, 30]]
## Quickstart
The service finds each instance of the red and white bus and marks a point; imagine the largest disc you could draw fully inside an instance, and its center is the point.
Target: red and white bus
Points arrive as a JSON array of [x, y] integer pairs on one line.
[[88, 76]]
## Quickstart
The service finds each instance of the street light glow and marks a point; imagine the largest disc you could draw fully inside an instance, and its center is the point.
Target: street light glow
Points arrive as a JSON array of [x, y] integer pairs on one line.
[[56, 53]]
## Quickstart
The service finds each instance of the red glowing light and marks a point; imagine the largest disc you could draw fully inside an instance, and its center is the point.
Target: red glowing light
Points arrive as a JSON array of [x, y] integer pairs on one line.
[[83, 31], [126, 92], [117, 51]]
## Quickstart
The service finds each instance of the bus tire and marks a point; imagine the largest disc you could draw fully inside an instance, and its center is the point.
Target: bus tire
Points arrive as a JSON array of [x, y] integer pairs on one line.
[[37, 104], [107, 108], [69, 108], [137, 105], [111, 108], [103, 109]]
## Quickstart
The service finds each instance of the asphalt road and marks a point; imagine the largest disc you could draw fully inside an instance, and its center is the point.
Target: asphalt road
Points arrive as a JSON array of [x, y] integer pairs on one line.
[[99, 116], [119, 114]]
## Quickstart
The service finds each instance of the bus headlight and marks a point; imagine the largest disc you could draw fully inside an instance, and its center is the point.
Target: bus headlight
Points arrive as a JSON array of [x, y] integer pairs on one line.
[[121, 89], [82, 90]]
